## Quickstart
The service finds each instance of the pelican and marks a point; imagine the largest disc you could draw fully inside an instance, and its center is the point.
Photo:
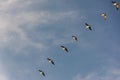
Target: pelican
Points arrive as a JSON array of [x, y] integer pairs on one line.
[[104, 15], [41, 72], [51, 61], [64, 48], [74, 38], [88, 26], [116, 5]]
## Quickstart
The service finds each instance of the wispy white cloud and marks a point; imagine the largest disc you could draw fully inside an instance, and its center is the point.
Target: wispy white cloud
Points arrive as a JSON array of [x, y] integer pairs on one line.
[[108, 74], [13, 35], [17, 4], [3, 77], [11, 32], [3, 74]]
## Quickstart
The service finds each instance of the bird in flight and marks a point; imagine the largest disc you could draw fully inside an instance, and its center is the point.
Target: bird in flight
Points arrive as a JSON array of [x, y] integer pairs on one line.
[[104, 15], [75, 38], [88, 26], [64, 48], [51, 61], [116, 5], [41, 72]]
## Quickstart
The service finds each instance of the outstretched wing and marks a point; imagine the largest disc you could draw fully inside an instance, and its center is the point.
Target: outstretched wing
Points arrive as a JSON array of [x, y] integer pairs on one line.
[[52, 62]]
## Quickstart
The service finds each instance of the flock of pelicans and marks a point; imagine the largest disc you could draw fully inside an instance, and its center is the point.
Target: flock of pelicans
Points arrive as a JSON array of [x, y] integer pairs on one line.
[[115, 4]]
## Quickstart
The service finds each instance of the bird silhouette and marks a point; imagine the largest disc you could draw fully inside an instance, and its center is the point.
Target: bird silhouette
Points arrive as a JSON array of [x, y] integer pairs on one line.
[[51, 61], [75, 38], [88, 26], [116, 5], [64, 48], [104, 15], [41, 72]]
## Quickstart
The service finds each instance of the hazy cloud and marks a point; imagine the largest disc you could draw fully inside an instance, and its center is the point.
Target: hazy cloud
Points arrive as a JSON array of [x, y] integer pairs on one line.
[[12, 31], [110, 74]]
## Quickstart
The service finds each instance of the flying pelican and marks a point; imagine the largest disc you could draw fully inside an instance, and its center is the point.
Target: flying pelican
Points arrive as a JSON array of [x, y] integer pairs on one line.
[[51, 61], [41, 72], [74, 38], [88, 26], [104, 15], [116, 5], [64, 48]]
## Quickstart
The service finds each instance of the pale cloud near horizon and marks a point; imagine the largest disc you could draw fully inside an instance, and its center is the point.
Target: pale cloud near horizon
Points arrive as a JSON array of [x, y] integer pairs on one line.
[[110, 71], [3, 74], [109, 74], [3, 77]]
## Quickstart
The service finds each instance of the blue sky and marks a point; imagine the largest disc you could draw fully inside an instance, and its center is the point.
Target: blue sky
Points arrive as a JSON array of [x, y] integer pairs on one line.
[[32, 30]]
